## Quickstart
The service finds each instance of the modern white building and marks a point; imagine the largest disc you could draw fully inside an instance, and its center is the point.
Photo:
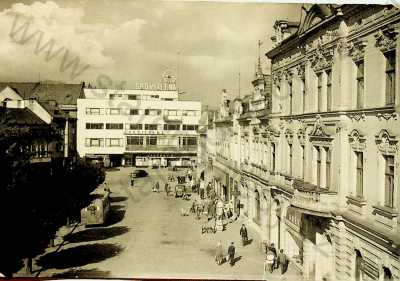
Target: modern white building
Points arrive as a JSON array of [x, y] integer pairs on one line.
[[141, 127]]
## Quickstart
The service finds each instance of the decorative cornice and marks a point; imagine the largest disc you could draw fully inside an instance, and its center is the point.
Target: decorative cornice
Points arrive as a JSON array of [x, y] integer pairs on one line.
[[387, 116], [386, 39], [357, 141], [322, 59], [356, 49], [386, 143], [357, 117]]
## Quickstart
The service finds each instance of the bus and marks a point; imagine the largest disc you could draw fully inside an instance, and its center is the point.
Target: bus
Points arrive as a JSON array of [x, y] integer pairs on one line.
[[97, 212]]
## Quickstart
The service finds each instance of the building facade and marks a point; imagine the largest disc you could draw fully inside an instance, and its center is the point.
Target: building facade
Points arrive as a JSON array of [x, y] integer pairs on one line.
[[320, 171], [138, 127], [54, 104]]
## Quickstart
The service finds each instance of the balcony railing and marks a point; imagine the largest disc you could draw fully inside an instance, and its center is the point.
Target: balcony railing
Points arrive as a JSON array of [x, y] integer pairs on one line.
[[311, 198], [161, 148]]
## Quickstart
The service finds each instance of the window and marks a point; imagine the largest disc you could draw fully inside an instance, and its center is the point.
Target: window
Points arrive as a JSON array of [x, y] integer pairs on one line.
[[329, 90], [172, 112], [318, 166], [151, 140], [132, 97], [290, 94], [152, 112], [172, 127], [303, 90], [135, 127], [390, 77], [150, 126], [389, 181], [114, 126], [387, 274], [134, 140], [360, 85], [94, 126], [290, 159], [359, 174], [94, 142], [113, 142], [358, 266], [319, 92], [327, 167], [303, 156], [114, 96], [115, 111], [189, 127], [93, 111], [273, 152], [133, 112], [189, 141]]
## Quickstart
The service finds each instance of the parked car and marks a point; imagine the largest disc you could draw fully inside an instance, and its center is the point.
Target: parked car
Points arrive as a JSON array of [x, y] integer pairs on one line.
[[138, 174], [179, 190]]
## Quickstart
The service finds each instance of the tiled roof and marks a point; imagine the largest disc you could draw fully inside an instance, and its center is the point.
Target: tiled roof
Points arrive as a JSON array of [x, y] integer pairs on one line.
[[18, 116], [61, 93], [24, 89]]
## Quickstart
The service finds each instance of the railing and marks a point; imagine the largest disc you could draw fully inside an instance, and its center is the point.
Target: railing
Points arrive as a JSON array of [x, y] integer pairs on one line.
[[161, 148], [310, 197]]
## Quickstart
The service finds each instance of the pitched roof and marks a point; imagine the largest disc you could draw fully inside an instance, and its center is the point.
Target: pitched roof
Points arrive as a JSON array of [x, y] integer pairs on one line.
[[20, 116], [22, 88], [61, 93], [66, 94]]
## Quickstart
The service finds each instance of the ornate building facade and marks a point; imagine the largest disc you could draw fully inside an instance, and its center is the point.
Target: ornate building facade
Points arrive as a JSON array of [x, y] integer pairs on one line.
[[319, 164]]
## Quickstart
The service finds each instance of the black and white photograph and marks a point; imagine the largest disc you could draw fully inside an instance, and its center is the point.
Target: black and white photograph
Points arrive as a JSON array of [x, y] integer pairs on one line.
[[200, 140]]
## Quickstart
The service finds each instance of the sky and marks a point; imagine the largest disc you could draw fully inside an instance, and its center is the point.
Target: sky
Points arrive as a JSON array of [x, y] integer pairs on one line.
[[116, 44]]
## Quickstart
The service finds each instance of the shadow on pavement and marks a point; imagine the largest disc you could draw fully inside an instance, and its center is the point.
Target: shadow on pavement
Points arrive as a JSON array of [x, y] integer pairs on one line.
[[83, 273], [248, 242], [95, 234], [116, 215], [115, 199], [79, 256]]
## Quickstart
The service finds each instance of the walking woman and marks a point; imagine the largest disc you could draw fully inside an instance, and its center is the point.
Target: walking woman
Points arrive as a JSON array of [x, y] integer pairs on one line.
[[219, 255]]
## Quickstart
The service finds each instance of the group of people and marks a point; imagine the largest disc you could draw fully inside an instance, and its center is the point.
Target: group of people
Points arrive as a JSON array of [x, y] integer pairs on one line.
[[274, 260]]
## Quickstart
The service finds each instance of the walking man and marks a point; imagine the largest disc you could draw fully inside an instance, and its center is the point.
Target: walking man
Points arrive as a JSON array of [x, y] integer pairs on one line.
[[132, 182], [243, 233], [282, 260], [231, 254]]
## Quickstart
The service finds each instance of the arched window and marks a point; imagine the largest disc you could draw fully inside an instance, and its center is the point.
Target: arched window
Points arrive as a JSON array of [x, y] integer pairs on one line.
[[387, 274], [358, 266]]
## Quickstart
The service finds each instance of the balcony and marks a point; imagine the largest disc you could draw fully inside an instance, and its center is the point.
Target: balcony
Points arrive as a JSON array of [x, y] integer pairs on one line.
[[172, 118], [162, 148], [312, 199]]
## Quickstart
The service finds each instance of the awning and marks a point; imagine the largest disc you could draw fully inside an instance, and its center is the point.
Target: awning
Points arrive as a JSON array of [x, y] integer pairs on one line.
[[220, 175]]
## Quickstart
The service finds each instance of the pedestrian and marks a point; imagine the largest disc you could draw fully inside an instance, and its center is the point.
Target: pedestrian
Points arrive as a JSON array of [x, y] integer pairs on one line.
[[238, 206], [273, 250], [270, 259], [166, 188], [231, 254], [267, 267], [282, 260], [219, 255], [243, 234], [132, 182]]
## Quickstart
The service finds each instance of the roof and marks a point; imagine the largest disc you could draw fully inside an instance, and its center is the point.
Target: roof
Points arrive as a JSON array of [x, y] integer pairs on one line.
[[22, 88], [61, 93], [20, 116]]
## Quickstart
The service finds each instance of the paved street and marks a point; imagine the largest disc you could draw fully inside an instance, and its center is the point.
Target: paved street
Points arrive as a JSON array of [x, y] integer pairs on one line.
[[147, 237]]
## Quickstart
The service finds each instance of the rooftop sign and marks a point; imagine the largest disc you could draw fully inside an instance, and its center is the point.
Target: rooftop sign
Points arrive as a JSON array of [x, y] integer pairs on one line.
[[156, 86]]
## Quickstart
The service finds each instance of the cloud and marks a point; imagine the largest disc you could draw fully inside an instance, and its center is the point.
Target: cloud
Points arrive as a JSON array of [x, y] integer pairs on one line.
[[135, 41]]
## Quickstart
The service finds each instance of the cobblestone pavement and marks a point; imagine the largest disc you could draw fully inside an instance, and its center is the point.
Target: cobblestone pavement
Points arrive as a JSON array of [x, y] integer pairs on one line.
[[147, 237]]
